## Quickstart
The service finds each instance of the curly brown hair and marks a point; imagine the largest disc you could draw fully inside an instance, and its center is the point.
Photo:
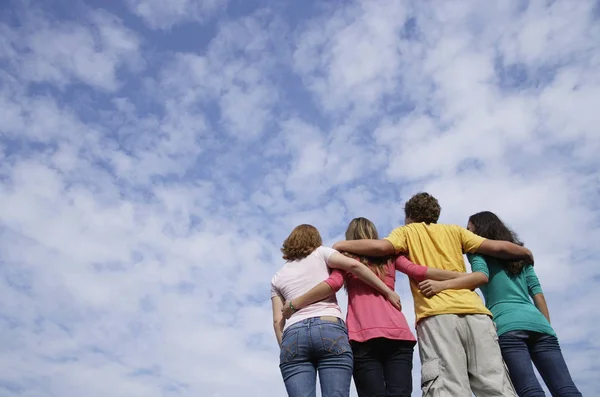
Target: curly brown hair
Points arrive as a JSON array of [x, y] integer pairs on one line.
[[422, 207], [301, 242]]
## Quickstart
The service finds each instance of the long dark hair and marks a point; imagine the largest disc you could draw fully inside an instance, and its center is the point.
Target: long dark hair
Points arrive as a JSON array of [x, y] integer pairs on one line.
[[487, 224]]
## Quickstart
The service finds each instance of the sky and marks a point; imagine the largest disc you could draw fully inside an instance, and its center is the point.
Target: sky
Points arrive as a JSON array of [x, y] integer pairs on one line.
[[154, 154]]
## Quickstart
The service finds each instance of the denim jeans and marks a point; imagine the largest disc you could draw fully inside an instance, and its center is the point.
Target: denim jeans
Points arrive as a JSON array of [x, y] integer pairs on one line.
[[383, 367], [316, 345], [520, 348]]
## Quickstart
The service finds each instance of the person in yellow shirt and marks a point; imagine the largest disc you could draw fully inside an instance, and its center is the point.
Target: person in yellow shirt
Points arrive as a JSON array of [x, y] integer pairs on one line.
[[458, 344]]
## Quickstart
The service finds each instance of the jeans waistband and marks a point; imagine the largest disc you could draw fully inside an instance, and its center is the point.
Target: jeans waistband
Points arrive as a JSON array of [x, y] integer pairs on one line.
[[321, 320]]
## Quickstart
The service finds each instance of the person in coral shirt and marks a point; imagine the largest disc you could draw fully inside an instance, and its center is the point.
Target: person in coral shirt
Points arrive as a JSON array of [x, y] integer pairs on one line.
[[381, 340], [458, 344]]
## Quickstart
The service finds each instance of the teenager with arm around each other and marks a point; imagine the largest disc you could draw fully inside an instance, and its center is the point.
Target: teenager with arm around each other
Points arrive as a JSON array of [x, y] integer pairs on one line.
[[467, 359], [336, 280], [524, 329], [381, 340], [315, 339]]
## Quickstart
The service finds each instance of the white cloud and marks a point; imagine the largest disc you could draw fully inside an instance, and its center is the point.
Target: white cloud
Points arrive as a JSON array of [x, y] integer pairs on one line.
[[163, 14], [351, 59], [42, 50]]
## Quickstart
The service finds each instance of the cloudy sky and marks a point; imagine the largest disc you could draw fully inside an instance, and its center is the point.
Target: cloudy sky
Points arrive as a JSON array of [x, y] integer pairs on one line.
[[155, 153]]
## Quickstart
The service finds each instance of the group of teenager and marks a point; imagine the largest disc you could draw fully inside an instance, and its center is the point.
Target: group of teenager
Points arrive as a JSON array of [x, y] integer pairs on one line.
[[466, 347]]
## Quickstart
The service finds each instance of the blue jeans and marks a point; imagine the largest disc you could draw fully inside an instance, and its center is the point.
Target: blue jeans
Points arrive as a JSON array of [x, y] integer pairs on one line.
[[312, 345], [520, 348]]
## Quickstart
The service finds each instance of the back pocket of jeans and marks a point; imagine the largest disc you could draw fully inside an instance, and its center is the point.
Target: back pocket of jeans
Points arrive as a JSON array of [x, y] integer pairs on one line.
[[289, 346], [335, 339], [430, 376]]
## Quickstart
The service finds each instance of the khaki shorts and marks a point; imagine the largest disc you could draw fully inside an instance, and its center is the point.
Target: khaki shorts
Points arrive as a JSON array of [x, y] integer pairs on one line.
[[460, 356]]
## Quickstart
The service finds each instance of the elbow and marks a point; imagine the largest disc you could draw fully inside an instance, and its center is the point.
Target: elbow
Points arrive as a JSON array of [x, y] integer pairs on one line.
[[385, 248], [480, 280]]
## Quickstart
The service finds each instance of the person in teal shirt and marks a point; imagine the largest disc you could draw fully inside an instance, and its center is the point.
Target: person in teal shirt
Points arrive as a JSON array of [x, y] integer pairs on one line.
[[508, 296], [523, 325]]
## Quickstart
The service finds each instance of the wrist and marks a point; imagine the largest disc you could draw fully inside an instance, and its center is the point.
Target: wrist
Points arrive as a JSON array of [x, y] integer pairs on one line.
[[294, 308], [338, 246]]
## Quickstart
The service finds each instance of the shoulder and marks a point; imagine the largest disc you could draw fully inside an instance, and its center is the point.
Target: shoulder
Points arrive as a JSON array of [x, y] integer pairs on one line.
[[400, 232], [452, 228], [444, 229], [280, 273], [528, 270], [325, 252]]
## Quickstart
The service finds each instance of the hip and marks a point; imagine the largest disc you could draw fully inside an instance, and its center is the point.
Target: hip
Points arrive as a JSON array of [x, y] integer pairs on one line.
[[315, 338]]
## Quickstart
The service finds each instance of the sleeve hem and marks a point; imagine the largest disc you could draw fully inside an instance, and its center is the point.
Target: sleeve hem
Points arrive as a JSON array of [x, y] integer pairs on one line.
[[396, 251]]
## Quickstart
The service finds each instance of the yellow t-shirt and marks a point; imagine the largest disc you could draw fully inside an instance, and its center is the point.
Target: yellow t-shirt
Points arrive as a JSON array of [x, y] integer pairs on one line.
[[440, 247]]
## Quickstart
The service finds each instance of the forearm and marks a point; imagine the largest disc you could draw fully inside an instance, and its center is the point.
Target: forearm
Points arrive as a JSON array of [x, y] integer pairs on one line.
[[367, 276], [366, 247], [505, 250], [467, 281], [316, 294], [540, 302], [278, 328], [442, 275]]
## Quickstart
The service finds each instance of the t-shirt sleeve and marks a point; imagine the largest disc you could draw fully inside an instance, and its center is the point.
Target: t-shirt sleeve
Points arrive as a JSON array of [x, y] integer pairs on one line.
[[326, 252], [336, 280], [478, 264], [398, 239], [470, 241], [533, 284], [274, 290], [416, 272]]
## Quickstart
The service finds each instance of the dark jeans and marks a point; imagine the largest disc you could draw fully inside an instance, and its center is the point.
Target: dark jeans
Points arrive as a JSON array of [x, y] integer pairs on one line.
[[520, 348], [316, 345], [383, 367]]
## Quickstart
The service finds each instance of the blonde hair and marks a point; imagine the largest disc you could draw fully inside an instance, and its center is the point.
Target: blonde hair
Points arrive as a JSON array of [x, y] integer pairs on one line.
[[301, 242], [364, 229]]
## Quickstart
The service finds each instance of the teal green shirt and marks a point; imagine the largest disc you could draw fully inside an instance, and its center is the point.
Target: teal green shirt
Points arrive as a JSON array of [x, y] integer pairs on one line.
[[507, 296]]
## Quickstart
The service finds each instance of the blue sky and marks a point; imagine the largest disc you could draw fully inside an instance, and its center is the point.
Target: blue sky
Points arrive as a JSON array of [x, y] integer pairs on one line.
[[155, 154]]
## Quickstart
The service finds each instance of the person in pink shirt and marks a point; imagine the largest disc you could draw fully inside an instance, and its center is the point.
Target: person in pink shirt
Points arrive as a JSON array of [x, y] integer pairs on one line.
[[314, 339], [381, 340]]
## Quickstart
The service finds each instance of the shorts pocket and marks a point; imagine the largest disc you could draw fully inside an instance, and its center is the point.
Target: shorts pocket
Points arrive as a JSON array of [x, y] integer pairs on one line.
[[430, 378], [334, 338], [289, 346]]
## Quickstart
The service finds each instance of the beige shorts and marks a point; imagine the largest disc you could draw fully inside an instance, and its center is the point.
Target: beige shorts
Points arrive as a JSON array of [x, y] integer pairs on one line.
[[460, 356]]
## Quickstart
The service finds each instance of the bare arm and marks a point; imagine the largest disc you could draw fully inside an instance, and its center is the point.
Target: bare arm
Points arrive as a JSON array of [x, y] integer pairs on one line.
[[319, 292], [505, 250], [366, 247], [339, 261], [278, 320], [316, 294], [540, 302], [468, 281], [420, 272], [443, 275]]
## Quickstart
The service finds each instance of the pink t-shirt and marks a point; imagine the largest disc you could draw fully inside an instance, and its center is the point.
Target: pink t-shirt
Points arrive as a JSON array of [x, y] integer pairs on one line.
[[370, 314], [298, 277]]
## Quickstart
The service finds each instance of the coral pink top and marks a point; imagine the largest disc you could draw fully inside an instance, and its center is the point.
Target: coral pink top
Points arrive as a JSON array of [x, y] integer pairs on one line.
[[370, 314]]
